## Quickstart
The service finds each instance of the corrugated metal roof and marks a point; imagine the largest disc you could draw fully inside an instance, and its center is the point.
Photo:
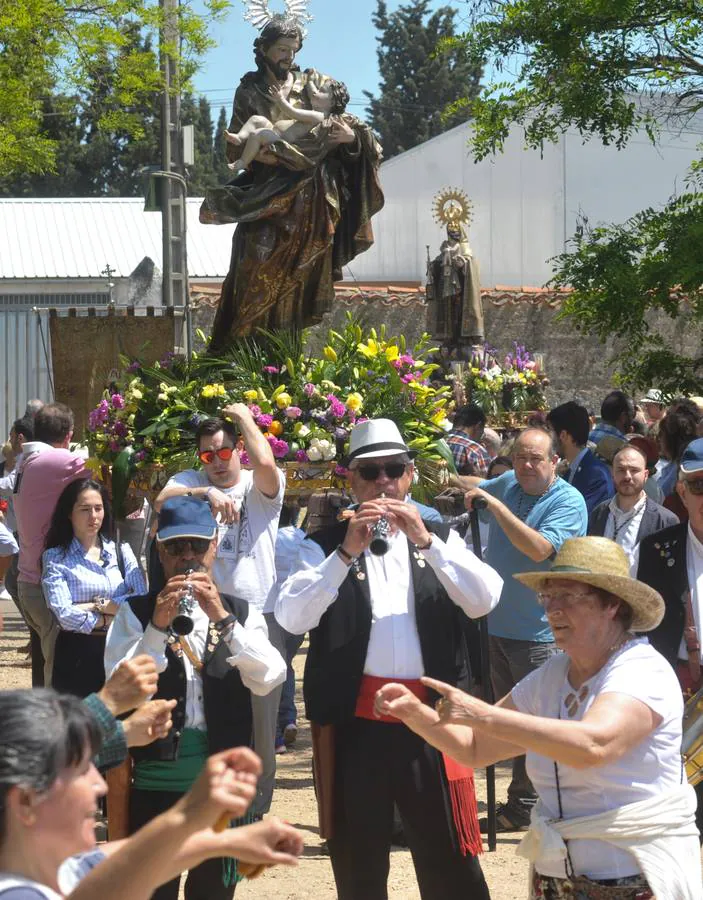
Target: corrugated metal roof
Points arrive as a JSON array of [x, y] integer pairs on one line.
[[76, 237]]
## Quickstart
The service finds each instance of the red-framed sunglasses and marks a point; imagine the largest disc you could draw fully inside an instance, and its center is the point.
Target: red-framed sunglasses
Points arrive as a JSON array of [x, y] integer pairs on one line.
[[208, 456]]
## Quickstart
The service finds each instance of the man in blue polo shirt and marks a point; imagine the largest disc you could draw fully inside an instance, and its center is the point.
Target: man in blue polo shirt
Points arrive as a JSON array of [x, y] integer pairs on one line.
[[531, 513]]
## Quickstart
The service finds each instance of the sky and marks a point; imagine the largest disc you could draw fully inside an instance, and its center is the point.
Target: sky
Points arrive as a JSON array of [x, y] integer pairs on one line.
[[341, 42]]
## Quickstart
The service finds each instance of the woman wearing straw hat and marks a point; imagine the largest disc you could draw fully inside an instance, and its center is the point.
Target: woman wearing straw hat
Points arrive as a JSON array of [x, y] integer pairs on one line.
[[601, 726]]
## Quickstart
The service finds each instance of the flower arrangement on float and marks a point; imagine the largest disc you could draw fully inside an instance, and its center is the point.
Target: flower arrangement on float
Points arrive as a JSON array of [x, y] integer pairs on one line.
[[504, 391], [305, 405]]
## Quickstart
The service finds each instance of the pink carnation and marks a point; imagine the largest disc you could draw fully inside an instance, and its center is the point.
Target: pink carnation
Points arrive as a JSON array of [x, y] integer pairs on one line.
[[254, 410], [293, 412], [280, 448], [309, 389], [244, 458], [271, 370], [117, 401], [264, 420], [337, 408]]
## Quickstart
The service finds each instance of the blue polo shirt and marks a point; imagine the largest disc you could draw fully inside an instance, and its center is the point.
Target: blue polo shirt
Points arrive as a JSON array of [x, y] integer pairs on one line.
[[557, 515]]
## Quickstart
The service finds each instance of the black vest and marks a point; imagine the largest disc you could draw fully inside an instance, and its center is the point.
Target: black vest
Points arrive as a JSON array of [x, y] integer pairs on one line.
[[662, 565], [339, 643], [227, 701]]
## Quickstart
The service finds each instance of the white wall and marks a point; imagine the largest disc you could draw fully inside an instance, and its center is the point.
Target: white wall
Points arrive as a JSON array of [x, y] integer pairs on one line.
[[525, 206]]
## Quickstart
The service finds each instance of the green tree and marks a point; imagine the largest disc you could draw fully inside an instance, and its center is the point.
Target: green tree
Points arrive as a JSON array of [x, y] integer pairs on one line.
[[222, 173], [201, 175], [56, 45], [607, 68], [421, 73]]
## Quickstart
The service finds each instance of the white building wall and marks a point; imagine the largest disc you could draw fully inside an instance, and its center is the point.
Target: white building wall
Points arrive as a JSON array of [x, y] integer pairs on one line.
[[525, 205]]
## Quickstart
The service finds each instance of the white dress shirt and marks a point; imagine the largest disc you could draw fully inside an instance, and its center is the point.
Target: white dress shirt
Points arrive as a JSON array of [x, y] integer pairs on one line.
[[623, 525], [394, 643], [694, 570], [260, 665]]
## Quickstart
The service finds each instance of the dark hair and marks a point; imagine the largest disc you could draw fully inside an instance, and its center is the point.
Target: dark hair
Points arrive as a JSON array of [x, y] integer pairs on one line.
[[469, 415], [499, 461], [686, 406], [25, 427], [544, 429], [53, 423], [42, 733], [60, 533], [289, 513], [572, 418], [212, 426], [676, 431], [614, 405], [279, 27], [340, 96], [625, 613]]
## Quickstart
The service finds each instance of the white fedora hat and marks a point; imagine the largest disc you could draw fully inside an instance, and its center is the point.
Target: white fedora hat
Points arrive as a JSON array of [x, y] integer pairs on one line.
[[376, 437]]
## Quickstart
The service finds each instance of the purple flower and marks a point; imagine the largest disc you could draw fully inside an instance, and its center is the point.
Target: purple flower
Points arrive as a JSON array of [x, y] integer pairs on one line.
[[115, 446], [254, 409], [117, 401], [406, 379], [362, 419], [301, 456], [271, 370], [134, 366], [264, 420], [244, 457], [140, 456], [120, 429], [341, 471], [340, 434], [308, 389], [293, 412], [280, 448], [196, 419], [397, 363], [407, 360], [337, 408], [383, 379]]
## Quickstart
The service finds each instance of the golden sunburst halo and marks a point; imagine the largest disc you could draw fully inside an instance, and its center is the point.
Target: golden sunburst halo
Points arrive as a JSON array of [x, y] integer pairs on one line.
[[451, 206]]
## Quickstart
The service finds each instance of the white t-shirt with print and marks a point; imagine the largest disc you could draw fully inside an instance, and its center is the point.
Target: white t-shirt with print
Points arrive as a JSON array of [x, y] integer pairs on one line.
[[244, 566], [652, 767]]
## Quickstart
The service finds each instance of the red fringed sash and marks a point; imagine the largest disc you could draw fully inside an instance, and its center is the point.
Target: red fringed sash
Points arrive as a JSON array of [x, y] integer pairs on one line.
[[460, 779]]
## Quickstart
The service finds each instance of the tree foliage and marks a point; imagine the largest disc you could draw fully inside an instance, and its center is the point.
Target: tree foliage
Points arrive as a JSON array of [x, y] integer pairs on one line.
[[607, 68], [50, 47], [418, 78]]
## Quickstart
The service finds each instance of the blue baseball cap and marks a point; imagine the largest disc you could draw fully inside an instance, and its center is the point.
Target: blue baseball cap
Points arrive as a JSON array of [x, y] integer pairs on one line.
[[692, 458], [186, 517]]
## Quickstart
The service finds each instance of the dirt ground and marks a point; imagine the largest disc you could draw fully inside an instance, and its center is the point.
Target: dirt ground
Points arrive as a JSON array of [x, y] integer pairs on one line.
[[294, 801]]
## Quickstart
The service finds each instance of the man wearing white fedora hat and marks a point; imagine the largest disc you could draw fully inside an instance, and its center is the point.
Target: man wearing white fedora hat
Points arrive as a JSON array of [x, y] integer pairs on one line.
[[375, 618]]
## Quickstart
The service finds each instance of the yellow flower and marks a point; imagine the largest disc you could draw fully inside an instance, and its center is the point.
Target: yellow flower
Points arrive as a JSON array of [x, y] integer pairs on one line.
[[283, 400], [251, 395], [213, 390], [163, 398], [136, 394], [93, 464], [355, 402], [330, 353], [392, 352], [370, 349]]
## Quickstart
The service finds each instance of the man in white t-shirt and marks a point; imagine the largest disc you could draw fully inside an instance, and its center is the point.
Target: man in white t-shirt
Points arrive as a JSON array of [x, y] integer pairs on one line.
[[246, 505]]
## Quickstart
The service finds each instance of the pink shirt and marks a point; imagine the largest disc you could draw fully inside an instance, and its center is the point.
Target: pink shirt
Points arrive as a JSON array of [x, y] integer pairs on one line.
[[41, 481]]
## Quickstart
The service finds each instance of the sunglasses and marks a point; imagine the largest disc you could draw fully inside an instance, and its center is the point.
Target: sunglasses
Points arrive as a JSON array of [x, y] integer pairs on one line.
[[179, 546], [371, 471], [208, 456], [695, 486]]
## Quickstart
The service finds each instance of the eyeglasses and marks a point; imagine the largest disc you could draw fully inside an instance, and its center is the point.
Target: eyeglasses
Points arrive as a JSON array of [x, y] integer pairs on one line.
[[371, 471], [208, 456], [179, 546], [566, 600], [695, 486]]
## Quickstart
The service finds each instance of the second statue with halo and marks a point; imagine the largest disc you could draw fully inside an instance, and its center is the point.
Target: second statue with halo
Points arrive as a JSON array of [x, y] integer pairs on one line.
[[305, 186]]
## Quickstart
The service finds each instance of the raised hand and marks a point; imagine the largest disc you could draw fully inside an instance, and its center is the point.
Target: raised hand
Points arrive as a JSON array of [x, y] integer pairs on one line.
[[130, 685]]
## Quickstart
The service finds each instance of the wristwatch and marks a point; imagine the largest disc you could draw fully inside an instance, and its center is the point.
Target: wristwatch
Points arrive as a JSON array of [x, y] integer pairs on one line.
[[224, 624]]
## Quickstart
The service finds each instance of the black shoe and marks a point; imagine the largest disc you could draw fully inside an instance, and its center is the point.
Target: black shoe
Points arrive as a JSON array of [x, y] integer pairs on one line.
[[508, 818]]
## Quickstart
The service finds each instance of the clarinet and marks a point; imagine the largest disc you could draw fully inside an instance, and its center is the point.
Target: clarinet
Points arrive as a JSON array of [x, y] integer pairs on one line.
[[182, 623], [379, 536]]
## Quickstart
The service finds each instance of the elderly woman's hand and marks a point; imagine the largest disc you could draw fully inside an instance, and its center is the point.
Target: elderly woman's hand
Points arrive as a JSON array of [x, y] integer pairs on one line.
[[455, 707], [224, 790], [398, 701]]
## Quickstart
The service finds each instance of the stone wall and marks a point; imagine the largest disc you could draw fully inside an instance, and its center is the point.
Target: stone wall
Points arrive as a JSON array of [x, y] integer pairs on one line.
[[577, 365]]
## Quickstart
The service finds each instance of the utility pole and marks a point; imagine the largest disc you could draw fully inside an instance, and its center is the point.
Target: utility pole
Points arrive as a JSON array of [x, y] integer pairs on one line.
[[173, 194]]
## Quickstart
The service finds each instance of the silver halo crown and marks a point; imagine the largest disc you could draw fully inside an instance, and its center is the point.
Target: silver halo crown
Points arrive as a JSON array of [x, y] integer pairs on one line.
[[259, 14]]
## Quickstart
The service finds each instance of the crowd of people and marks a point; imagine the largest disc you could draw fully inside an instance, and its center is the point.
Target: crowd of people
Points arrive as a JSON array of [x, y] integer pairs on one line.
[[588, 577]]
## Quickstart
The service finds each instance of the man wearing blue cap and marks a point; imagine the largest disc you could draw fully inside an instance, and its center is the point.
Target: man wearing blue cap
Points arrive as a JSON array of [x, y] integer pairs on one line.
[[671, 561], [220, 656]]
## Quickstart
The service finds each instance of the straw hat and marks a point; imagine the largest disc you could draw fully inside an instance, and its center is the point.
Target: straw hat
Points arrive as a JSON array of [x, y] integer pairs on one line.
[[604, 564]]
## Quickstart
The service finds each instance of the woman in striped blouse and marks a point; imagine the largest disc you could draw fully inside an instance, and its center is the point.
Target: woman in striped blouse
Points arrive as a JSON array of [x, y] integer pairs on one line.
[[84, 583]]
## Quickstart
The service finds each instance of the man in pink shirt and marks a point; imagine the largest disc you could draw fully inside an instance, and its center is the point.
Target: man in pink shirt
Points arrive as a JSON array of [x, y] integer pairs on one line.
[[48, 466]]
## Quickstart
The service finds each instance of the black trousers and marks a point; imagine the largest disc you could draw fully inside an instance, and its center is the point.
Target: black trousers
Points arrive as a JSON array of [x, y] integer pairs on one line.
[[377, 765], [79, 666], [204, 882]]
